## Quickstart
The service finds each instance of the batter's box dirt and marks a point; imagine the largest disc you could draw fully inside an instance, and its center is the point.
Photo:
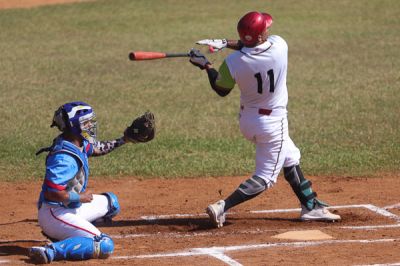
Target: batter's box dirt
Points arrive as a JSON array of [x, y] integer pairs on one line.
[[268, 220], [331, 253]]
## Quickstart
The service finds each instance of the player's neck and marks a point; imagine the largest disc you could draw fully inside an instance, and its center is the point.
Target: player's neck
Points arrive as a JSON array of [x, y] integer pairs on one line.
[[76, 140], [260, 41]]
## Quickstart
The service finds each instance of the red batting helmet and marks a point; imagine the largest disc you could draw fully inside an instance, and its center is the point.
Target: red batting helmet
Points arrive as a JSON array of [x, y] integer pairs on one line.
[[251, 25]]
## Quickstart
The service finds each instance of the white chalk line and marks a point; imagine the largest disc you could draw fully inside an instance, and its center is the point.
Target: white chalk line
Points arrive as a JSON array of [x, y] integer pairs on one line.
[[219, 252], [393, 206], [169, 216], [219, 255], [373, 208], [371, 227], [382, 212]]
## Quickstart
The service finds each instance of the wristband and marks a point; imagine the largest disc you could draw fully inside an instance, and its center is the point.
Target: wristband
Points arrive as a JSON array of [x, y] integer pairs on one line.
[[73, 197]]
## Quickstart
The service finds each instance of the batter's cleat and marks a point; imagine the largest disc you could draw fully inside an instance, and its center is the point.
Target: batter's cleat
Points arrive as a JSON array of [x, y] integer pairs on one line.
[[38, 255], [319, 213], [216, 213]]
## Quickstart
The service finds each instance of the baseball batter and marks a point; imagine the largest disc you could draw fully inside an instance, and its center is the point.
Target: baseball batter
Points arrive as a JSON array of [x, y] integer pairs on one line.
[[259, 68], [67, 209]]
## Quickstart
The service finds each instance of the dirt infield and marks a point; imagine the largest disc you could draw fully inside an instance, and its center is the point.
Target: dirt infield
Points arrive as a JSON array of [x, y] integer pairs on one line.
[[163, 223]]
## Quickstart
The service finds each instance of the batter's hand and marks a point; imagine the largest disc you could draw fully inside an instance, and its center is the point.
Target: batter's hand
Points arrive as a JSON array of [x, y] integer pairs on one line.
[[86, 196], [198, 59], [217, 44]]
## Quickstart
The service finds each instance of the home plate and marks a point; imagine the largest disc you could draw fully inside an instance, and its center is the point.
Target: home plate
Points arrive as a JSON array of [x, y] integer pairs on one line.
[[303, 235]]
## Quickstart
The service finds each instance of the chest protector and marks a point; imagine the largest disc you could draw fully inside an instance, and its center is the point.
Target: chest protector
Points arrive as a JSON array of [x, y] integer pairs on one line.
[[79, 182]]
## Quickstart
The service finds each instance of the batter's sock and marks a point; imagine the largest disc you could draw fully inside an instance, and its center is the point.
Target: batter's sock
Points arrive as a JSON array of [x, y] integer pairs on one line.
[[236, 198]]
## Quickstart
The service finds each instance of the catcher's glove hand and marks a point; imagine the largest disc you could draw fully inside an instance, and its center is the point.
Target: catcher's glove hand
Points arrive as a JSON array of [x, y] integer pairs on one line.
[[142, 129]]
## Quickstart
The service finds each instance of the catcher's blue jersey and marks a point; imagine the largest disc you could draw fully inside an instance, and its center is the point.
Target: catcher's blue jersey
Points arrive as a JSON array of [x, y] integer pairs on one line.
[[67, 168]]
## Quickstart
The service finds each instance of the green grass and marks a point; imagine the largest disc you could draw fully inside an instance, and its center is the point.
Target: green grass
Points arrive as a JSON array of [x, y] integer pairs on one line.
[[343, 84]]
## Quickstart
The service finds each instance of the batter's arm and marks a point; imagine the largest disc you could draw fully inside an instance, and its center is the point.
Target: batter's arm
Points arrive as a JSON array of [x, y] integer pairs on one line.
[[212, 77], [219, 44], [221, 81], [234, 44]]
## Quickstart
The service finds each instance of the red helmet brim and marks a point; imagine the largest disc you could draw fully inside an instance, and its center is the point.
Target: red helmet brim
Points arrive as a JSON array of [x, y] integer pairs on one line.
[[268, 19]]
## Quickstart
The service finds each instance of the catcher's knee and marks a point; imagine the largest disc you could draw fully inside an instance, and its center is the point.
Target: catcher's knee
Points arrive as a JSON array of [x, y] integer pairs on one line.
[[253, 186], [113, 205], [104, 246]]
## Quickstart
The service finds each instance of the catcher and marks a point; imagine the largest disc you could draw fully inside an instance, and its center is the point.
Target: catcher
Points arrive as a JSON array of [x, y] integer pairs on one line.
[[66, 208]]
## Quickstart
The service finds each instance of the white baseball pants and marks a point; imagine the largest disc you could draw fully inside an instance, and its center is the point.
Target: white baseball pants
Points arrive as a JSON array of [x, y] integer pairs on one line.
[[61, 223], [274, 148]]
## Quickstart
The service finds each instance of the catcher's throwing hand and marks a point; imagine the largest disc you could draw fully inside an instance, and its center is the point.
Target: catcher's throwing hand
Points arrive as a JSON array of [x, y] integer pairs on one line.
[[198, 59], [86, 196], [217, 44], [142, 129]]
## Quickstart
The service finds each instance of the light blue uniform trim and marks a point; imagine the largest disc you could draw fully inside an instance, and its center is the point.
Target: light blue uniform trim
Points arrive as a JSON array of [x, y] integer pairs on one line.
[[81, 248], [62, 164]]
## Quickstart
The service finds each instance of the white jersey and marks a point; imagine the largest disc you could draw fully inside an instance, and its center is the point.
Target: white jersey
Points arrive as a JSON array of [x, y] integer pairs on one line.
[[260, 73]]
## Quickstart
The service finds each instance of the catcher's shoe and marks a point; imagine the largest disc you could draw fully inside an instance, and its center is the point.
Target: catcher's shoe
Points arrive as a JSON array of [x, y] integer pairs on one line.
[[319, 213], [216, 213], [39, 255]]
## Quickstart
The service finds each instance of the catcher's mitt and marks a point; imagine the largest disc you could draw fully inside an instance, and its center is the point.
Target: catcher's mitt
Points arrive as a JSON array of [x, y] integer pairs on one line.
[[142, 128]]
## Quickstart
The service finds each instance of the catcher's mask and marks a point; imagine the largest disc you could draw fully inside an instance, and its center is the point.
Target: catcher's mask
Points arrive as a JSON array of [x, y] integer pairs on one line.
[[77, 118]]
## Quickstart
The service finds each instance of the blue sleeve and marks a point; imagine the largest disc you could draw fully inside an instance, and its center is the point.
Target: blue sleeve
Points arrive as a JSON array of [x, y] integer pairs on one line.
[[60, 168]]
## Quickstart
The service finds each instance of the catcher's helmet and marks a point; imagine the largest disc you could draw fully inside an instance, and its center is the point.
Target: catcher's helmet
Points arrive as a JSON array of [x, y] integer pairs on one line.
[[77, 118], [251, 25]]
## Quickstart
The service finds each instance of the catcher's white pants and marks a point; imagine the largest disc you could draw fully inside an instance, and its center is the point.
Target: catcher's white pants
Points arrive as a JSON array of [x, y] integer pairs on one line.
[[61, 223], [274, 148]]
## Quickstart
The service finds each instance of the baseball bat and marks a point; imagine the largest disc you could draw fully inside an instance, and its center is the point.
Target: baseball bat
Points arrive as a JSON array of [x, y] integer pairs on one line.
[[140, 55]]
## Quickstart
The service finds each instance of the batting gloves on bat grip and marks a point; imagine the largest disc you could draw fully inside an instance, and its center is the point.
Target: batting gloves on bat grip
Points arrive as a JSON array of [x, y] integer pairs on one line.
[[198, 59], [217, 44]]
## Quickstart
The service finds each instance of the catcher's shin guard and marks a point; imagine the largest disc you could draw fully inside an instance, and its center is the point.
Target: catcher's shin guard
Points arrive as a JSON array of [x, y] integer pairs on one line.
[[301, 187], [82, 248]]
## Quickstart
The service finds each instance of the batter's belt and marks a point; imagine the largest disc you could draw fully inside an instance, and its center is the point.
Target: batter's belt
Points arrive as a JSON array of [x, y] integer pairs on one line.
[[262, 111]]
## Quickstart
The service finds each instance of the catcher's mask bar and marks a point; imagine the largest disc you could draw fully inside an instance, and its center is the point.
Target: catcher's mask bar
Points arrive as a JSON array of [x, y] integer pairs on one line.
[[89, 127]]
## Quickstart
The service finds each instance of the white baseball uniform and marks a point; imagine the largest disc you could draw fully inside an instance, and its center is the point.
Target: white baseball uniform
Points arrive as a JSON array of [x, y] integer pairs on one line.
[[260, 73]]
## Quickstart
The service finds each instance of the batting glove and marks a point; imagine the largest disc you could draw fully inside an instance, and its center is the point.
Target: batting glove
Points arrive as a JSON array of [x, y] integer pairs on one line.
[[198, 59], [217, 44]]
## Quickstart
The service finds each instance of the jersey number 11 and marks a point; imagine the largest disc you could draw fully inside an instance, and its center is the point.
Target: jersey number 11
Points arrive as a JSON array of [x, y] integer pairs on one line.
[[270, 74]]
